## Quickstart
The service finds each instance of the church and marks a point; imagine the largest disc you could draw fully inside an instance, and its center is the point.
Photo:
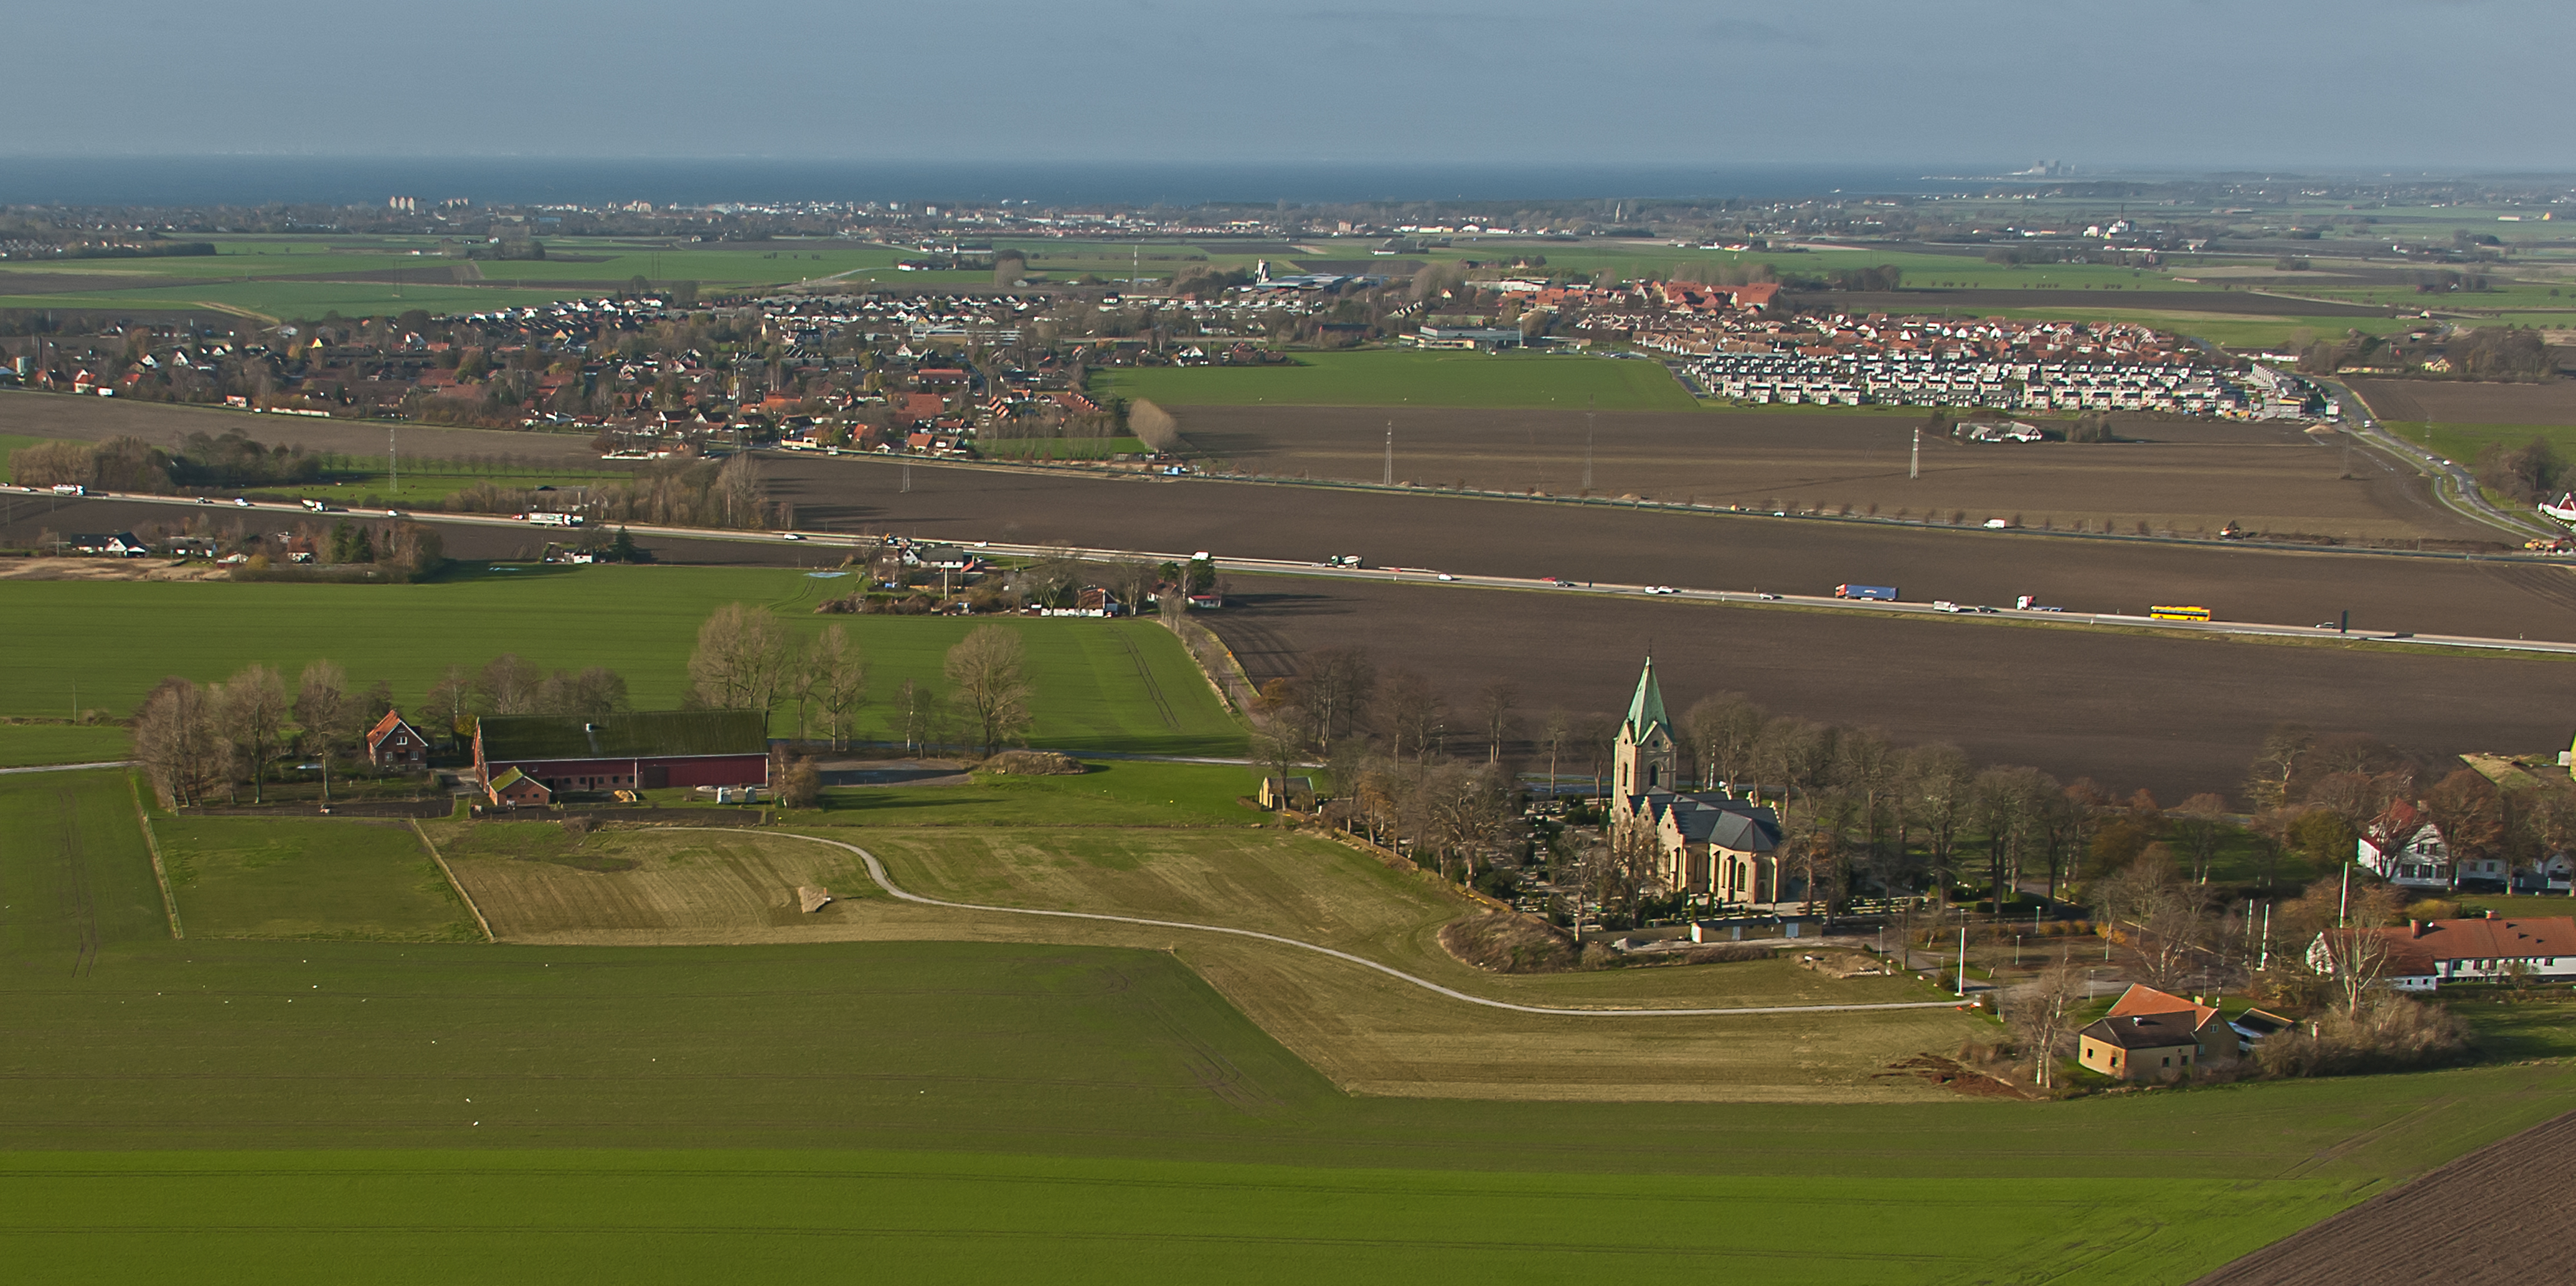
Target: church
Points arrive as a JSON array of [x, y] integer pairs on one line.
[[1710, 845]]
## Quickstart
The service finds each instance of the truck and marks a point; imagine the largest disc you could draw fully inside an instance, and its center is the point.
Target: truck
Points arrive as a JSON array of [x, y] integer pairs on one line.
[[1880, 593], [316, 506], [70, 489], [555, 519]]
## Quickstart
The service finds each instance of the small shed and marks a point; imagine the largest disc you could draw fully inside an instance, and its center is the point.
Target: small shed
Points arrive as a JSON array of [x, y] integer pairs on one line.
[[2140, 1047], [514, 789]]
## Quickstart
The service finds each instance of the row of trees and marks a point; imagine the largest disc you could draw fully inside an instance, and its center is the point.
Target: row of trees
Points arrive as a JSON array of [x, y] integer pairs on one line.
[[196, 739], [2318, 795], [746, 658]]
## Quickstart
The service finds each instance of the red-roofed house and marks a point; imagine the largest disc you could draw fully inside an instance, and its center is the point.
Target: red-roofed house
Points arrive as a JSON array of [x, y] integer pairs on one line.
[[2424, 954], [393, 743], [921, 406]]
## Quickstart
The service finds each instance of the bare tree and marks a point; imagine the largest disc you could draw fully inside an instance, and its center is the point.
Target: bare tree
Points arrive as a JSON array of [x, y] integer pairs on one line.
[[451, 699], [174, 737], [322, 715], [506, 685], [990, 684], [1494, 706], [741, 660], [1558, 726], [1620, 871], [594, 693], [1411, 715], [2277, 765], [253, 719], [837, 677], [2199, 824], [1725, 732], [1939, 789], [1336, 688], [2043, 1015]]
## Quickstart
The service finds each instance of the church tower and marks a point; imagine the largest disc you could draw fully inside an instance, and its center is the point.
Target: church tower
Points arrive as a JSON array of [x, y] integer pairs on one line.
[[1642, 760]]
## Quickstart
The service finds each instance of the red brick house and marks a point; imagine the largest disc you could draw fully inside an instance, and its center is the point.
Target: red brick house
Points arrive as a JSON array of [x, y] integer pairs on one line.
[[393, 743], [645, 750]]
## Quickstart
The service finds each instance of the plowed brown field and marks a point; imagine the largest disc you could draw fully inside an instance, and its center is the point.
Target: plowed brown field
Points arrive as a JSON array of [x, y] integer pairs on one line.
[[2463, 402], [2184, 476], [2177, 715], [2496, 1217]]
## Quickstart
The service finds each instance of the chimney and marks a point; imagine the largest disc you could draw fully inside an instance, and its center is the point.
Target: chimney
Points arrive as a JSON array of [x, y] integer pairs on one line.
[[2420, 926]]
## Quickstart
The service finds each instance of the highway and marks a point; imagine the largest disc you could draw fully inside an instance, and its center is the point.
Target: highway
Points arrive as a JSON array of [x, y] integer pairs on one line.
[[819, 542]]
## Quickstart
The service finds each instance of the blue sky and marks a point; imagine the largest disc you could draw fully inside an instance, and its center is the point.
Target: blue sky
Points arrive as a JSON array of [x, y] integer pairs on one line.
[[2355, 85]]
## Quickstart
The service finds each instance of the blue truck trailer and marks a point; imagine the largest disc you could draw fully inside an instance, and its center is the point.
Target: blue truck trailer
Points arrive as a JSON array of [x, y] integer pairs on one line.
[[1883, 593]]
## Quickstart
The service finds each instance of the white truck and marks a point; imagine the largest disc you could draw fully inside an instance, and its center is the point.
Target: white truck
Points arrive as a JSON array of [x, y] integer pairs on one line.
[[70, 489], [554, 519]]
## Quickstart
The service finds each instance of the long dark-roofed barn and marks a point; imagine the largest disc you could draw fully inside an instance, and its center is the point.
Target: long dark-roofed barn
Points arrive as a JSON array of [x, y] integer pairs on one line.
[[646, 750]]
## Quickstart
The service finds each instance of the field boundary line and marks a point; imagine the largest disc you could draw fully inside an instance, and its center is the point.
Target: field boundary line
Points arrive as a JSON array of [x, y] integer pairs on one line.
[[877, 872], [160, 874], [455, 883]]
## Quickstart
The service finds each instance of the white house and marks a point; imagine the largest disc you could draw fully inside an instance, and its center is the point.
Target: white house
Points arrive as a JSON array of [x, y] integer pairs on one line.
[[2405, 849]]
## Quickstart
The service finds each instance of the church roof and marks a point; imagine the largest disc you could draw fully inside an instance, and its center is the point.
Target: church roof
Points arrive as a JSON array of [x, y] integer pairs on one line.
[[1737, 824], [1646, 709]]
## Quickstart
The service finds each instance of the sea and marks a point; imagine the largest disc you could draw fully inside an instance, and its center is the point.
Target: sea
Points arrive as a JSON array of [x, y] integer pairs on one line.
[[272, 179]]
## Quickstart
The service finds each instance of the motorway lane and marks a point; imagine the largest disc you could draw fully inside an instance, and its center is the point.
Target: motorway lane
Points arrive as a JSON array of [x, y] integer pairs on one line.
[[494, 536]]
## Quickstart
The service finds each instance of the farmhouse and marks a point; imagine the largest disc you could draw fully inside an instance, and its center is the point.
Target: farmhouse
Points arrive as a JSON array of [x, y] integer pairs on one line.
[[2211, 1037], [646, 750], [2405, 848], [393, 743], [121, 544], [2138, 1047], [2422, 955], [1709, 844]]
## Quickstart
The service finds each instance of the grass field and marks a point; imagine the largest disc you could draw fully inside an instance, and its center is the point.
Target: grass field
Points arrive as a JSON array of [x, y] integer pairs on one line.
[[1397, 377], [231, 1109], [2462, 442], [1114, 792], [308, 877], [1058, 448], [1123, 686], [22, 744]]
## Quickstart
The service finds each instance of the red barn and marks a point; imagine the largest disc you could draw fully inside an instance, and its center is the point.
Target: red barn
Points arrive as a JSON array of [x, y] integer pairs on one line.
[[393, 743], [646, 750]]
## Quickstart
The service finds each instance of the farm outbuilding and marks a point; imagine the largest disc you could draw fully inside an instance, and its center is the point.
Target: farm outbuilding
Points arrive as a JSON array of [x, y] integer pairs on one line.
[[646, 750]]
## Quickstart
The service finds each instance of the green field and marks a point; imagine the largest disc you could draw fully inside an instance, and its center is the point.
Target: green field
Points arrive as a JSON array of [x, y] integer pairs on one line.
[[2462, 442], [1115, 792], [216, 1110], [62, 743], [1058, 448], [1401, 377], [1101, 685], [307, 877]]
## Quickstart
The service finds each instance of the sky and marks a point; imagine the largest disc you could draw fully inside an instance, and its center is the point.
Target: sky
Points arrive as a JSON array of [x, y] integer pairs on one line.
[[2352, 86]]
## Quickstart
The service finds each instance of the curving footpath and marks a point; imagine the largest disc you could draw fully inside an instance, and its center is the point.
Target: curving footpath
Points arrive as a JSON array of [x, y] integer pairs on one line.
[[877, 872]]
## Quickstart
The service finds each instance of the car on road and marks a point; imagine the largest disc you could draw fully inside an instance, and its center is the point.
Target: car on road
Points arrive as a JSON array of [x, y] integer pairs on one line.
[[393, 513], [789, 535], [1659, 589], [205, 500], [1558, 581], [1447, 576], [1945, 605], [241, 501], [1767, 598]]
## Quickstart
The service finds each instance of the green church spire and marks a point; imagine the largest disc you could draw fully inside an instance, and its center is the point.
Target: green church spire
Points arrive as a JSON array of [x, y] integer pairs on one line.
[[1646, 709]]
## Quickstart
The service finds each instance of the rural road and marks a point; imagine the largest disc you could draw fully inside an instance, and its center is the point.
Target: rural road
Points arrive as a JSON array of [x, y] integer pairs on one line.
[[1964, 613], [104, 763], [877, 872]]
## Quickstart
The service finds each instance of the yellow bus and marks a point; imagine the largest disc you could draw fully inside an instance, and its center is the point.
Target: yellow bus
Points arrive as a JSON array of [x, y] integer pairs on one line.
[[2178, 613]]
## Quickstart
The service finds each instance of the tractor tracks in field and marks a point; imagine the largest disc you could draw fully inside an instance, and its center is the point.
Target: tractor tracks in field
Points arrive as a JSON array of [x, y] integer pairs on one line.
[[71, 888], [1153, 687], [877, 872]]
